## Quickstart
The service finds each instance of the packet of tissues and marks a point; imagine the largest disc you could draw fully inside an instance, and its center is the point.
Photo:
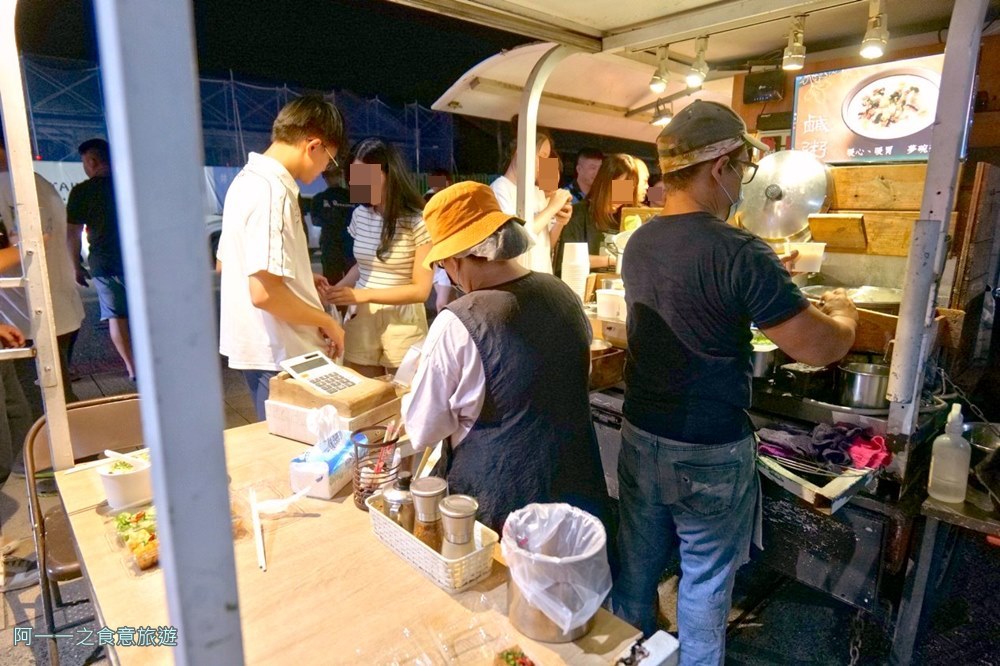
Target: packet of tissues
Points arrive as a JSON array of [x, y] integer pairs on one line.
[[327, 467]]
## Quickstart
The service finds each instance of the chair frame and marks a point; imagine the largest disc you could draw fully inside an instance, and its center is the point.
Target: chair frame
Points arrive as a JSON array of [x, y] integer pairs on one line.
[[37, 456]]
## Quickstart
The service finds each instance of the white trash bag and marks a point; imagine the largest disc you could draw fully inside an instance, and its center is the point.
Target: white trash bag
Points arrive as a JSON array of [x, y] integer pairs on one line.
[[558, 559]]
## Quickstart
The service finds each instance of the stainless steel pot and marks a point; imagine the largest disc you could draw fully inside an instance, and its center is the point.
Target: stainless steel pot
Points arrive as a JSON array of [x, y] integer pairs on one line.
[[535, 624], [863, 385], [763, 360], [984, 441]]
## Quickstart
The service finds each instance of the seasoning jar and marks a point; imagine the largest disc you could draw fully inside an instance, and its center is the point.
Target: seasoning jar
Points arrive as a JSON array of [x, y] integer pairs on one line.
[[399, 502], [427, 493], [458, 521]]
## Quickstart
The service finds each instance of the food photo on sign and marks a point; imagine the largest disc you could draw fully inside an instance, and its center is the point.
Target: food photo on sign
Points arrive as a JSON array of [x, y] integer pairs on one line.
[[874, 113]]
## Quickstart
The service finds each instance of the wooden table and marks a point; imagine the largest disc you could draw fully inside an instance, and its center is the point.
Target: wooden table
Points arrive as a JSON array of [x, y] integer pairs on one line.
[[342, 595], [975, 514]]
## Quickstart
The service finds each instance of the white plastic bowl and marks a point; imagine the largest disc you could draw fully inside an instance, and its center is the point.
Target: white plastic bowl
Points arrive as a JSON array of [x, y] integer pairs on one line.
[[125, 489]]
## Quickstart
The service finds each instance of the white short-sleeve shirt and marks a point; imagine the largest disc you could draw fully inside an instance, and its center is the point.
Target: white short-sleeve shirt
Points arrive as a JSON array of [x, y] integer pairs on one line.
[[538, 258], [67, 308], [262, 231]]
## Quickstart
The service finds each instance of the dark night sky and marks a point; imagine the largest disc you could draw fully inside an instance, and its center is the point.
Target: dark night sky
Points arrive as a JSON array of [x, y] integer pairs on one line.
[[371, 47]]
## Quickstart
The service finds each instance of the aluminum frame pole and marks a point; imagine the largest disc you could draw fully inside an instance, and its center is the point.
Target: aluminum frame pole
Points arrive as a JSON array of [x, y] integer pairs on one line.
[[926, 260], [527, 124], [33, 260], [151, 99]]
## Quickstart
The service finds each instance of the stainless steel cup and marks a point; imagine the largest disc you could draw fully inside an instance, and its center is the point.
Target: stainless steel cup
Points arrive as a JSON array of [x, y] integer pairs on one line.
[[427, 493], [458, 517]]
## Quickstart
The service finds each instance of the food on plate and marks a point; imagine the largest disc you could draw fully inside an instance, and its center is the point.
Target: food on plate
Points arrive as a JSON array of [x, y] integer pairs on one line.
[[138, 532], [883, 107], [512, 656]]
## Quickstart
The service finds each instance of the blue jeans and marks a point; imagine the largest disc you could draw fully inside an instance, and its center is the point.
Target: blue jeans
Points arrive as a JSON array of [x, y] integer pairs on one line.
[[702, 495], [258, 381]]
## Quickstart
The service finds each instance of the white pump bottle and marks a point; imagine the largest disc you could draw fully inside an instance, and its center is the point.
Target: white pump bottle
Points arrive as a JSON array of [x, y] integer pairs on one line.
[[950, 461]]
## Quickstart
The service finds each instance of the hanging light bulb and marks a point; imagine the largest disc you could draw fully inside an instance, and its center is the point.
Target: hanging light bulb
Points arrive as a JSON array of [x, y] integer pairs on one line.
[[658, 84], [663, 114], [877, 34], [795, 53], [699, 68]]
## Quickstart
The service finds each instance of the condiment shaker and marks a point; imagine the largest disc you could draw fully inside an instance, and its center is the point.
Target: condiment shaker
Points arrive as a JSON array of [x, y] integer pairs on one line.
[[458, 520], [399, 502], [427, 493]]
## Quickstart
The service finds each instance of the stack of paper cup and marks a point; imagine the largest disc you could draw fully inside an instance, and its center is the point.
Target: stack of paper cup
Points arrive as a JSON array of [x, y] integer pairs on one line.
[[576, 267]]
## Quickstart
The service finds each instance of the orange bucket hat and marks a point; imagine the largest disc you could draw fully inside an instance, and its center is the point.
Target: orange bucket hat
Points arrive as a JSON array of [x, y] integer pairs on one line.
[[460, 217]]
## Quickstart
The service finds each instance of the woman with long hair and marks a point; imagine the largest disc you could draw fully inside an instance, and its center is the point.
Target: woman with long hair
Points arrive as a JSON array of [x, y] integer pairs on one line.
[[548, 203], [388, 285], [598, 216]]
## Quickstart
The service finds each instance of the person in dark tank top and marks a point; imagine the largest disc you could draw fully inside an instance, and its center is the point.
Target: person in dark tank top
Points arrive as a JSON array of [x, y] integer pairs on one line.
[[503, 378]]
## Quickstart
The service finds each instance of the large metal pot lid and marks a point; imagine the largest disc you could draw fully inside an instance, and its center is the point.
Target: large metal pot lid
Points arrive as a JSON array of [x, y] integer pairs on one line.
[[789, 186], [865, 295]]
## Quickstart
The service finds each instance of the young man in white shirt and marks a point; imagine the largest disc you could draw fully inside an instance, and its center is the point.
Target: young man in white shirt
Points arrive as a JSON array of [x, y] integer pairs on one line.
[[271, 309]]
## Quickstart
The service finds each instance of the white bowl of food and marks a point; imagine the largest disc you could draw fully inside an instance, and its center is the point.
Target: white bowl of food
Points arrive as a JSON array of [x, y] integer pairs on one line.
[[127, 484]]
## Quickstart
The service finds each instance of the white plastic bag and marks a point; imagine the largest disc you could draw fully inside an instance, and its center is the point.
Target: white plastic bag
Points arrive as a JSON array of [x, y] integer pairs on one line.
[[558, 559]]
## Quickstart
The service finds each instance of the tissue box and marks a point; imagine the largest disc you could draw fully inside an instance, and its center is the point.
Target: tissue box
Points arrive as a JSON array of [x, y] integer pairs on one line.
[[324, 472]]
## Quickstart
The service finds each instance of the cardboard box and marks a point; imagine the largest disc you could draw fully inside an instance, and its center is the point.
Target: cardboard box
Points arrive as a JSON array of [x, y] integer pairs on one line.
[[288, 420]]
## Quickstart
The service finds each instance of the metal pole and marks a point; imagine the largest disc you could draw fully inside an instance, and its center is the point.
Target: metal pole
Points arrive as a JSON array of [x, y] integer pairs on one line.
[[927, 256], [151, 99], [19, 160], [526, 128]]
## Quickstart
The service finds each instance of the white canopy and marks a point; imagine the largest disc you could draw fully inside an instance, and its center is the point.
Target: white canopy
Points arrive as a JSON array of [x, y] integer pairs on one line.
[[587, 92]]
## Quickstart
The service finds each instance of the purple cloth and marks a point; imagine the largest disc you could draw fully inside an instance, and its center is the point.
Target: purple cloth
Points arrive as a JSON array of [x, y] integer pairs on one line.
[[828, 445]]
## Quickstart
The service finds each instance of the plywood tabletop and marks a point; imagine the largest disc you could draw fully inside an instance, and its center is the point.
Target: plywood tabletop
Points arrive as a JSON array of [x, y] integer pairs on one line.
[[332, 593]]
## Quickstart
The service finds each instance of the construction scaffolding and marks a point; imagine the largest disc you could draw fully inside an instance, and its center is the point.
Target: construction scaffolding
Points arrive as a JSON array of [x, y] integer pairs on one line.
[[65, 108]]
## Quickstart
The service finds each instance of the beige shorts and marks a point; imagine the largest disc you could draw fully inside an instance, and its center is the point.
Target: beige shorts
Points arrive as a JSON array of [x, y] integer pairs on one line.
[[382, 334]]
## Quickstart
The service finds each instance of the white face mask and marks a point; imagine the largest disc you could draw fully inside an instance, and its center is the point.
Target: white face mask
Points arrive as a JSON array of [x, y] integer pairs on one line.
[[734, 203]]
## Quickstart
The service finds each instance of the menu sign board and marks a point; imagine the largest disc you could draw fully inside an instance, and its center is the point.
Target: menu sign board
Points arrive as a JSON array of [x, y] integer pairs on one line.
[[874, 113]]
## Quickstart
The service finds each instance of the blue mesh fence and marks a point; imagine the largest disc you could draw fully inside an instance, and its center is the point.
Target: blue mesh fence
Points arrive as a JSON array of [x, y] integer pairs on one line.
[[66, 108]]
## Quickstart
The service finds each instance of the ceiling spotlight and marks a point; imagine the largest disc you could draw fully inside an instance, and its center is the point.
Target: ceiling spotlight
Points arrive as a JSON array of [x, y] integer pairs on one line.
[[795, 53], [663, 115], [877, 34], [699, 68], [658, 84]]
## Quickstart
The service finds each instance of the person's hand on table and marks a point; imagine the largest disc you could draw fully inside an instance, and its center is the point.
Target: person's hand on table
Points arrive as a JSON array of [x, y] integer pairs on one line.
[[346, 295], [837, 303], [787, 260], [333, 333], [11, 336]]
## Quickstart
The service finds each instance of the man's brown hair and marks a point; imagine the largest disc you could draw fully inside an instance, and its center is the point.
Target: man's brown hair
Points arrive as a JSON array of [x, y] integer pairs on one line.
[[309, 117]]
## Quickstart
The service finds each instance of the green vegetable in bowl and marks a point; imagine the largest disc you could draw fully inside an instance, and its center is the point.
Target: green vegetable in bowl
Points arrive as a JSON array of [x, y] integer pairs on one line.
[[759, 339], [123, 467]]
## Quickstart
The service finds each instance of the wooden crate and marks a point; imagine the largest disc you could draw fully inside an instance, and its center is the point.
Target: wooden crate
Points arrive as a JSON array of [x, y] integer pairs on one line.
[[878, 187], [365, 396]]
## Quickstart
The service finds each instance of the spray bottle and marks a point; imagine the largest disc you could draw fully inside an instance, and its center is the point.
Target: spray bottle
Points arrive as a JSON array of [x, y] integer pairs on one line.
[[950, 461]]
